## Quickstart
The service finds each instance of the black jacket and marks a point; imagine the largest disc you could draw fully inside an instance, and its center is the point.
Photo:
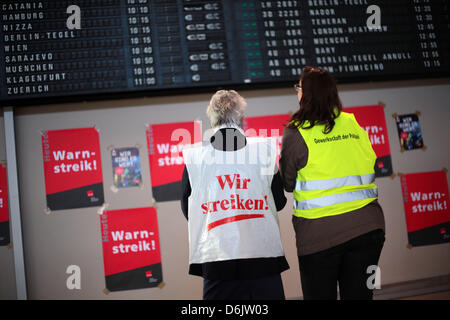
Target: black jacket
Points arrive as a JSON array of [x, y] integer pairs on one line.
[[238, 268]]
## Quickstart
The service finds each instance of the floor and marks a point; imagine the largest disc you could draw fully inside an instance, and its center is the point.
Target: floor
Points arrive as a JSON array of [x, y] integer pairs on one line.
[[433, 296]]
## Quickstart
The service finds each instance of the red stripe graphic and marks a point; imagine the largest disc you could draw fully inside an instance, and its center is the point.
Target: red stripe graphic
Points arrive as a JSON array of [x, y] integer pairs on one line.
[[240, 217]]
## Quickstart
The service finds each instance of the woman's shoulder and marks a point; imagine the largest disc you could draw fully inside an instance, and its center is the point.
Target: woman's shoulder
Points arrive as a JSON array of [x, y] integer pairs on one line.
[[290, 130], [291, 135]]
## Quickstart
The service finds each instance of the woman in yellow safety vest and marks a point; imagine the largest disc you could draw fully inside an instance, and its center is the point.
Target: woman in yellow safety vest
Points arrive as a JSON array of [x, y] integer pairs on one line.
[[327, 161]]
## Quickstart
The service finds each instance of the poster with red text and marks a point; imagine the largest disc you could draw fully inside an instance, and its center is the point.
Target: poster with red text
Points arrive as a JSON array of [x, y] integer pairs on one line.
[[373, 120], [426, 203], [131, 251], [4, 209], [72, 168], [267, 126], [165, 144]]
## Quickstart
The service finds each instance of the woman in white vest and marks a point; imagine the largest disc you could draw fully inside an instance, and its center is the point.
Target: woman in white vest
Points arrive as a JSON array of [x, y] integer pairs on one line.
[[327, 161], [231, 192]]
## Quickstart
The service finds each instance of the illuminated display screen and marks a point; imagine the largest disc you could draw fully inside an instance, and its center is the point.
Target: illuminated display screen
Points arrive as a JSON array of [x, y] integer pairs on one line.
[[147, 47]]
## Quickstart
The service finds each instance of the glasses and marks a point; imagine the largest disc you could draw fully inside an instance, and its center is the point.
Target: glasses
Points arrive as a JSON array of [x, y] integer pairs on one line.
[[297, 87]]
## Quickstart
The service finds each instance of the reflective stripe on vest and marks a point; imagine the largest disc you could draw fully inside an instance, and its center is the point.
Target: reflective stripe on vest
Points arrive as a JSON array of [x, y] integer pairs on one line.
[[335, 199], [334, 183]]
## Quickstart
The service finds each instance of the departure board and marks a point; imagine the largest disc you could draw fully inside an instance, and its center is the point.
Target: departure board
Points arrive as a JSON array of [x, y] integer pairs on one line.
[[67, 50]]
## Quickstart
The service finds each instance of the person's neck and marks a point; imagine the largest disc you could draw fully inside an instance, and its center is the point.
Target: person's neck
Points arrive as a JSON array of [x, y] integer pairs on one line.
[[228, 138]]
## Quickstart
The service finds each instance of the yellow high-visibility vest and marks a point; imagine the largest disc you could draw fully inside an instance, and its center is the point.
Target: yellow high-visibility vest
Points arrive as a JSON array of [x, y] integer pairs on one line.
[[339, 175]]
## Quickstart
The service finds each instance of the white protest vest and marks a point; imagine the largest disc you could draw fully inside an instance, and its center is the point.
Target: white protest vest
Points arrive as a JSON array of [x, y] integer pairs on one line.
[[232, 213]]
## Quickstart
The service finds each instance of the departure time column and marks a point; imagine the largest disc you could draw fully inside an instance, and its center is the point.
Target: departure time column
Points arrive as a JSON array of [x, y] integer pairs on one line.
[[428, 40], [140, 42]]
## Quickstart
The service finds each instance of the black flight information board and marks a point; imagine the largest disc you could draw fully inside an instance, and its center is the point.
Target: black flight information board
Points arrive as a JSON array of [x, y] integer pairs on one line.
[[145, 47]]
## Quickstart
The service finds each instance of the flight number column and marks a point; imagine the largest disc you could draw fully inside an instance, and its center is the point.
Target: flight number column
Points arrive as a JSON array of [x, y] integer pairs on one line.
[[285, 37]]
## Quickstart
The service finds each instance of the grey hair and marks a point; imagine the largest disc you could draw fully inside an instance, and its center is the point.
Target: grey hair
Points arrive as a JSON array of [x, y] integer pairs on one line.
[[226, 107]]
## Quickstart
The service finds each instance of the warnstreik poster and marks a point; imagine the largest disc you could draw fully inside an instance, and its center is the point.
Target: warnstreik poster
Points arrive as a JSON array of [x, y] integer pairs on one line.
[[165, 144], [267, 126], [126, 166], [131, 250], [426, 203], [72, 168], [373, 120], [4, 208]]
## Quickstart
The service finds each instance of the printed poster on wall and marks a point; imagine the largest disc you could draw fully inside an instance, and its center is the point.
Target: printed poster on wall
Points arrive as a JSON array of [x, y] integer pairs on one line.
[[409, 132], [72, 168], [165, 144], [373, 120], [126, 166], [4, 208], [131, 251], [426, 203], [267, 126]]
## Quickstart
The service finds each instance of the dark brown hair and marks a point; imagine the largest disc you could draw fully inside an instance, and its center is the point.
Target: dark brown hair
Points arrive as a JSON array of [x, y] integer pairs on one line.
[[320, 100]]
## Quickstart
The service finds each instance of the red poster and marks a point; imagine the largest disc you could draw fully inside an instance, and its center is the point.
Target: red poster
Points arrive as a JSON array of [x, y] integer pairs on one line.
[[267, 126], [72, 168], [373, 120], [131, 251], [165, 143], [426, 203], [4, 209]]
